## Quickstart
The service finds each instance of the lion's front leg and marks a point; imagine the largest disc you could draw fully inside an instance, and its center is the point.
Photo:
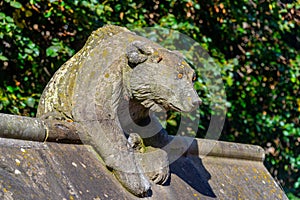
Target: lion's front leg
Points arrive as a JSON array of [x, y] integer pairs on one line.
[[109, 141], [154, 161]]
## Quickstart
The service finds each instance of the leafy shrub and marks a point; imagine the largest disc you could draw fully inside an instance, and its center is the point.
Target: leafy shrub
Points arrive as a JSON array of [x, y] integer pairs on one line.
[[255, 44]]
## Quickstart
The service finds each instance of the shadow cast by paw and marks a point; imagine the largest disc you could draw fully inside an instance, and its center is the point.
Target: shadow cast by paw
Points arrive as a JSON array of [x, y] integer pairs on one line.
[[195, 177]]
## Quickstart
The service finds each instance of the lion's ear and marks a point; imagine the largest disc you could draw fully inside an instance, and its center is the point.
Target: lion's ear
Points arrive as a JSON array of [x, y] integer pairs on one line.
[[138, 52]]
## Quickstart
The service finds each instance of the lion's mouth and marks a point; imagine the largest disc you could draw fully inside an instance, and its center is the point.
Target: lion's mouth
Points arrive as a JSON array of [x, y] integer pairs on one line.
[[168, 106], [173, 107], [159, 107], [183, 109]]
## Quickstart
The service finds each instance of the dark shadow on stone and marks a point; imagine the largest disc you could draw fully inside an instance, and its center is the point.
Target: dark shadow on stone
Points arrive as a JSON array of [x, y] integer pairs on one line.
[[196, 177]]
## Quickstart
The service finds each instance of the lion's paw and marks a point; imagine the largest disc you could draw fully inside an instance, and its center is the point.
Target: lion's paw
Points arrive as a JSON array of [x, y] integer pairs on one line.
[[155, 164]]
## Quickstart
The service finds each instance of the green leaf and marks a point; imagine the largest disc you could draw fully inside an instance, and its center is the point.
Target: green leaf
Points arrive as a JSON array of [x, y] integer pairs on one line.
[[197, 7], [30, 102], [52, 51], [229, 81], [172, 122], [15, 4], [286, 133], [10, 89], [85, 3], [9, 19], [3, 58], [48, 14], [2, 15], [99, 11]]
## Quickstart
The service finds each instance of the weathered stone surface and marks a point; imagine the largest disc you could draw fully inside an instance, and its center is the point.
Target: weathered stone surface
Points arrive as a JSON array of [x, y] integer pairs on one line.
[[110, 89], [35, 129], [210, 170]]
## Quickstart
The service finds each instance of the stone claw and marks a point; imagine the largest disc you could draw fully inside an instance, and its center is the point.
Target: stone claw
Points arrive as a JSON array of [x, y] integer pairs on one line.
[[136, 183]]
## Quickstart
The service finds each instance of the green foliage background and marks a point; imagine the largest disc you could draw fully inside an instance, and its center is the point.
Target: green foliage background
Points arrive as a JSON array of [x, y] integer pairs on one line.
[[255, 43]]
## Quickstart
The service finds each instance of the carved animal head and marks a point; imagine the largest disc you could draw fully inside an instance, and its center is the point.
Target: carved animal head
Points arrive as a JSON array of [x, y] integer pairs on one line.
[[161, 79]]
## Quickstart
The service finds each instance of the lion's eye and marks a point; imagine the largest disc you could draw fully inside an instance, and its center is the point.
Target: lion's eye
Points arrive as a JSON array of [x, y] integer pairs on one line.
[[180, 76], [194, 77]]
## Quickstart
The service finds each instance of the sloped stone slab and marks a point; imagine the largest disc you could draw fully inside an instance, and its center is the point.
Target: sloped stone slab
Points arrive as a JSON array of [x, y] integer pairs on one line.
[[209, 170]]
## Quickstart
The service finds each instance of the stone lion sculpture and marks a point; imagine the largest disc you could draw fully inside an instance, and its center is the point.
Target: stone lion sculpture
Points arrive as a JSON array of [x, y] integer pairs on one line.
[[110, 89]]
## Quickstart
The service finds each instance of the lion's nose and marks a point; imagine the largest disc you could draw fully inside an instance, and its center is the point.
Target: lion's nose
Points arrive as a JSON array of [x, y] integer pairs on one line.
[[197, 102]]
